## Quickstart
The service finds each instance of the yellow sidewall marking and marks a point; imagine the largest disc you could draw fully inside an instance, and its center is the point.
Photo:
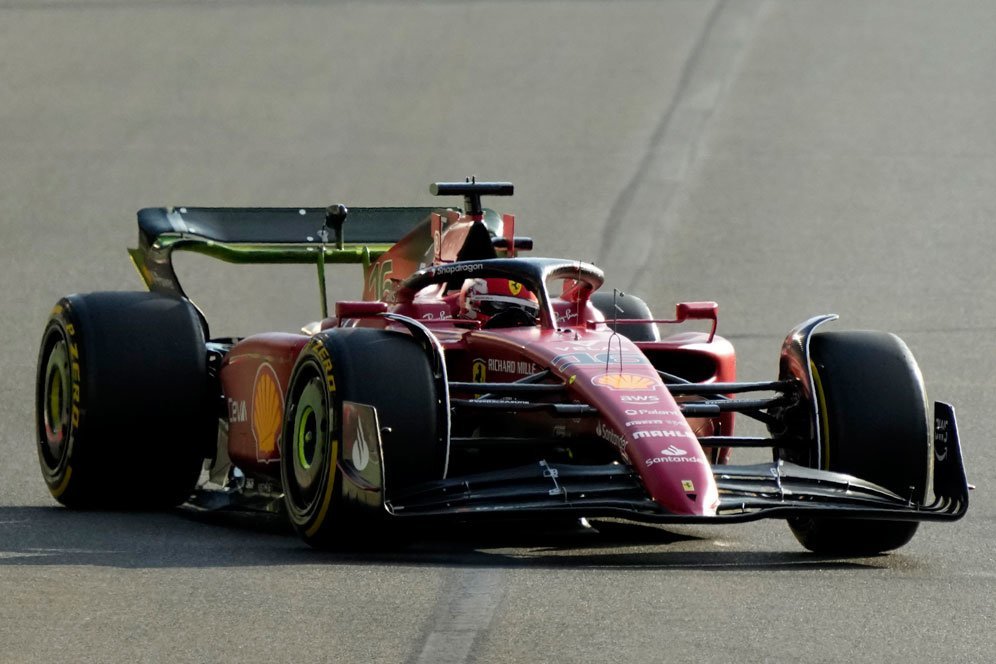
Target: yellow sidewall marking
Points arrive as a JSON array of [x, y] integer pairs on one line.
[[329, 489], [821, 404], [58, 490]]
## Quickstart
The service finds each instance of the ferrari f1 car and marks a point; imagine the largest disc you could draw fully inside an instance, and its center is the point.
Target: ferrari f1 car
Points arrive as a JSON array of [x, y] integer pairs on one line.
[[471, 382]]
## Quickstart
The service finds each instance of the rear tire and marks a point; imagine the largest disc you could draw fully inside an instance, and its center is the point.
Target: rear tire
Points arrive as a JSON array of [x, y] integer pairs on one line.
[[874, 426], [387, 370], [122, 408], [616, 305]]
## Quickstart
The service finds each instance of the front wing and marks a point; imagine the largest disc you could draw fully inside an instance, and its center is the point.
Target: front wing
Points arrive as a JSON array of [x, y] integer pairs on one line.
[[775, 490], [746, 493]]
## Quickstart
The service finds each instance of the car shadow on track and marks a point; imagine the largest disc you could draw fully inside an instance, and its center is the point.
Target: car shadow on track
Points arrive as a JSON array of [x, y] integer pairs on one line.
[[52, 536]]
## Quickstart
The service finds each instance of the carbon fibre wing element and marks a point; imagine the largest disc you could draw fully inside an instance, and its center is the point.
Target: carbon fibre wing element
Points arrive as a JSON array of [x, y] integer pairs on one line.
[[746, 493]]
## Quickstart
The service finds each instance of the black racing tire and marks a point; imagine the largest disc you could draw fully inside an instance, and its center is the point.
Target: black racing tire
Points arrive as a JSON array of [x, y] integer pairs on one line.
[[123, 414], [874, 426], [387, 370], [626, 306]]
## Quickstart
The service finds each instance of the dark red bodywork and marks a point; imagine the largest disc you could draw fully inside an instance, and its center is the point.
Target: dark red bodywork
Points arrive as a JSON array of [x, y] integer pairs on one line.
[[638, 415]]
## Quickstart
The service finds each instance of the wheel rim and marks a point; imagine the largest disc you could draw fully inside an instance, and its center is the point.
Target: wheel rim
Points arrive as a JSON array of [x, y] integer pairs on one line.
[[312, 424], [56, 403], [307, 432]]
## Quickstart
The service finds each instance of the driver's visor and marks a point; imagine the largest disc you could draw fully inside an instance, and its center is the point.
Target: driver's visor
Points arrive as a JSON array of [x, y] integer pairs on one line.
[[492, 305]]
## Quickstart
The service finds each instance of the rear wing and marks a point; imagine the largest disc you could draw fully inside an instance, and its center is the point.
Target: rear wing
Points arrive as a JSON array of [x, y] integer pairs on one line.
[[267, 235]]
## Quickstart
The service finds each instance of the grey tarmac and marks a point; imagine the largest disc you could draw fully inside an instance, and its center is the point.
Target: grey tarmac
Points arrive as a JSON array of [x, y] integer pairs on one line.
[[784, 158]]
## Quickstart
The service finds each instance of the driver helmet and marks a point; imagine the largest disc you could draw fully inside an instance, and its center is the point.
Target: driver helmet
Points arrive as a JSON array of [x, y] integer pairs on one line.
[[481, 299]]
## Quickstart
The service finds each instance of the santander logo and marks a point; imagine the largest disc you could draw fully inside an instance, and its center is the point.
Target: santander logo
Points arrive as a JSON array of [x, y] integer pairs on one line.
[[673, 454]]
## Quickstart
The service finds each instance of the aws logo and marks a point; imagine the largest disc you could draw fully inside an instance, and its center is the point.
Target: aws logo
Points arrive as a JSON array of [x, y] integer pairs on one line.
[[641, 399]]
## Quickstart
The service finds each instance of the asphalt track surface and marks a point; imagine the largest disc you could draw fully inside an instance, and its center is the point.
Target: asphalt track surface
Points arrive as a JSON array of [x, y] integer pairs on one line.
[[783, 158]]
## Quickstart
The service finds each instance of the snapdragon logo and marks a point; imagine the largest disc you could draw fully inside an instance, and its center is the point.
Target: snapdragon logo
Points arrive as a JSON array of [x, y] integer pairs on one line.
[[456, 269]]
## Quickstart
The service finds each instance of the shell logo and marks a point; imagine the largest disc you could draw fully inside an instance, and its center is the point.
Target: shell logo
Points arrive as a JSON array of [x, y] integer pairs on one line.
[[267, 412], [626, 382]]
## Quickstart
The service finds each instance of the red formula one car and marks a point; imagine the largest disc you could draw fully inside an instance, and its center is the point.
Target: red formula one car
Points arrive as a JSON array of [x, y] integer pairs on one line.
[[471, 382]]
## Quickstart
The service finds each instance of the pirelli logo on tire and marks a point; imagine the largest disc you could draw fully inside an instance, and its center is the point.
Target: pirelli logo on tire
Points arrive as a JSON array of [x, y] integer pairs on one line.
[[62, 311], [322, 353]]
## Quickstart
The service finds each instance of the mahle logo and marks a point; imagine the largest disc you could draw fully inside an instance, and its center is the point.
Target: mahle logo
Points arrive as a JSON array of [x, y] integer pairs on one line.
[[657, 433]]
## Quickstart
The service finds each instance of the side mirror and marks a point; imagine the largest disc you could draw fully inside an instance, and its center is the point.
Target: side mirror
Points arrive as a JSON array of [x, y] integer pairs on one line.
[[698, 311], [359, 309]]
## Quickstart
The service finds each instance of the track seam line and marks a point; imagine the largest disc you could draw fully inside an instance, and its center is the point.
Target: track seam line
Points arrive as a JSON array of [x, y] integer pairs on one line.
[[642, 210], [466, 610], [624, 200]]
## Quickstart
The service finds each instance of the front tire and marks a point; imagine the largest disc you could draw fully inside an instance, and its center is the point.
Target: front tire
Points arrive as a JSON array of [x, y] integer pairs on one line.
[[387, 370], [122, 408], [874, 426]]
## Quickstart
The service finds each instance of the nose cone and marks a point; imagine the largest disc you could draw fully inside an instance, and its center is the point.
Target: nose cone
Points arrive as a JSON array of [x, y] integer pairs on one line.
[[641, 418], [678, 477]]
